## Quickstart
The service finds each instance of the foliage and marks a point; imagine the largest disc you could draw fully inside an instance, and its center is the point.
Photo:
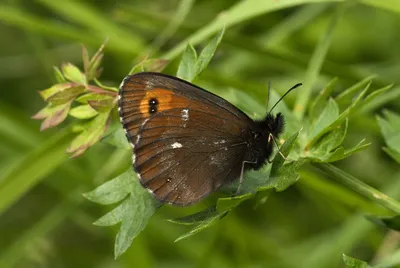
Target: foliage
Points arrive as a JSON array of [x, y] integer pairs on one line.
[[331, 133]]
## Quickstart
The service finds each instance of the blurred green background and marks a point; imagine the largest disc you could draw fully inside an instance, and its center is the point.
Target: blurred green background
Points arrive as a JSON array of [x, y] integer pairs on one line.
[[45, 221]]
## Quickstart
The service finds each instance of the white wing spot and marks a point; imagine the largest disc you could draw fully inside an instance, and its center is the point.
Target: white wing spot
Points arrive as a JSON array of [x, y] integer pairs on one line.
[[219, 142], [176, 145], [185, 114]]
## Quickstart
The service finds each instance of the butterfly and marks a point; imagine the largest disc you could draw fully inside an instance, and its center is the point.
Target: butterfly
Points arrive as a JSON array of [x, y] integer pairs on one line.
[[188, 142]]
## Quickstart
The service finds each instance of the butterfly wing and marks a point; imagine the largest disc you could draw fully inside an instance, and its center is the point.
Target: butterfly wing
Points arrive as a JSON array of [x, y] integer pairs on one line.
[[187, 141]]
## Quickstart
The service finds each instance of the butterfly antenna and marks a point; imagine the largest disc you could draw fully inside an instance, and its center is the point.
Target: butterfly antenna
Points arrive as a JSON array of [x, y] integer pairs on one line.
[[287, 92]]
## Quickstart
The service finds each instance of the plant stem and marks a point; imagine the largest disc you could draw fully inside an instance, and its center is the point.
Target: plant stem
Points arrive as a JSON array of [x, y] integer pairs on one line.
[[360, 187]]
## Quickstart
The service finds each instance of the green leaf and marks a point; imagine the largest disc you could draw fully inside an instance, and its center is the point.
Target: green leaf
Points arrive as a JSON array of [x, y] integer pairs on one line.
[[392, 153], [134, 212], [198, 217], [390, 128], [61, 93], [20, 175], [208, 52], [322, 149], [118, 138], [369, 100], [139, 207], [103, 105], [203, 225], [106, 95], [53, 115], [285, 150], [114, 190], [92, 133], [85, 60], [392, 222], [320, 102], [58, 75], [115, 216], [346, 96], [154, 65], [339, 120], [282, 176], [329, 115], [354, 263], [289, 174], [73, 74], [187, 66], [315, 65], [228, 203], [83, 112], [92, 66]]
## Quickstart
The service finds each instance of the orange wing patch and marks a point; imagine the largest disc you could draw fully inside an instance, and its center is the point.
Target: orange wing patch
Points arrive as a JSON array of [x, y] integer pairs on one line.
[[138, 103], [163, 96]]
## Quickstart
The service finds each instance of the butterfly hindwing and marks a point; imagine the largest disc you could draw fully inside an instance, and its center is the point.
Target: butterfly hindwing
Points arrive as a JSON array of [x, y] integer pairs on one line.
[[182, 160]]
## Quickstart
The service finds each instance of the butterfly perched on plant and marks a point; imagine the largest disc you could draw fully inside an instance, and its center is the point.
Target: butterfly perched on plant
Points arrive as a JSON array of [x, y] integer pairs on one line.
[[188, 142]]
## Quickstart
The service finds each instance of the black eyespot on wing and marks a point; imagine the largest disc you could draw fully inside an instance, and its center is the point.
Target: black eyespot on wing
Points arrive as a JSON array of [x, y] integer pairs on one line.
[[153, 105]]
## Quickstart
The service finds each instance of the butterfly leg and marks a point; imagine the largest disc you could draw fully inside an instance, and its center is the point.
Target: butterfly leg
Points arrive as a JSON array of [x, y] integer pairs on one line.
[[271, 137], [241, 176]]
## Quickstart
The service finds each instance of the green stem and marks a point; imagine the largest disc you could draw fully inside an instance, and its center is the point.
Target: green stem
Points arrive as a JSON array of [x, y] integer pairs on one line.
[[360, 187], [315, 65]]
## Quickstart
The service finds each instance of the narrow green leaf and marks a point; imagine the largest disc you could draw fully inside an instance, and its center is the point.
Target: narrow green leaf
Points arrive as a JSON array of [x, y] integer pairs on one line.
[[320, 102], [73, 74], [85, 59], [390, 128], [198, 217], [93, 65], [329, 115], [154, 65], [354, 263], [118, 138], [228, 203], [114, 190], [23, 174], [315, 65], [92, 133], [106, 95], [389, 5], [392, 153], [114, 216], [322, 149], [289, 174], [340, 119], [187, 66], [140, 207], [237, 13], [346, 96], [282, 176], [285, 150], [203, 225], [83, 112], [391, 222], [65, 94], [103, 105], [208, 52], [53, 115], [368, 102], [58, 75]]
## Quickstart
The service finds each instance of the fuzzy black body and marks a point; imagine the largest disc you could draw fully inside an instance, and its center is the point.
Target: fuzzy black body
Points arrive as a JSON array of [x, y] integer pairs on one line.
[[259, 139], [188, 142]]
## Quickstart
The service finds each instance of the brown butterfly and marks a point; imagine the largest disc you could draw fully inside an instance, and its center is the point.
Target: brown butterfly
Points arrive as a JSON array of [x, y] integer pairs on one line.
[[188, 142]]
